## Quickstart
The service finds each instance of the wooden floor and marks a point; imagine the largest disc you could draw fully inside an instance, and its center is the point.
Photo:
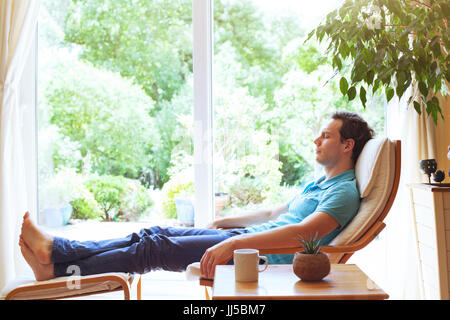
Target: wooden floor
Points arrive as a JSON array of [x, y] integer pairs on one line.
[[156, 285], [160, 285]]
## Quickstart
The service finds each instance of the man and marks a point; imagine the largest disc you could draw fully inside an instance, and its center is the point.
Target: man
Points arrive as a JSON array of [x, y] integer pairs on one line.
[[324, 207]]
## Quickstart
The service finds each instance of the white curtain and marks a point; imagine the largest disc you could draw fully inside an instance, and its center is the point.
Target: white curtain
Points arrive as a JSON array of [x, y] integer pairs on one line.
[[18, 20], [418, 136]]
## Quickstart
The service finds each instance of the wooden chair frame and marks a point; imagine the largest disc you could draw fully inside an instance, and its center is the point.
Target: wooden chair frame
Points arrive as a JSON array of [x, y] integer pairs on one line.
[[361, 242], [132, 288]]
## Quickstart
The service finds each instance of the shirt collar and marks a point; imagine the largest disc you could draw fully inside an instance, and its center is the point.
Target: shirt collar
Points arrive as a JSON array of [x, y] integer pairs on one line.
[[345, 176]]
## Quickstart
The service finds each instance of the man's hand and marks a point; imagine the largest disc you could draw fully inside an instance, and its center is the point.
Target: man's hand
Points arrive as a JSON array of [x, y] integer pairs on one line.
[[220, 253]]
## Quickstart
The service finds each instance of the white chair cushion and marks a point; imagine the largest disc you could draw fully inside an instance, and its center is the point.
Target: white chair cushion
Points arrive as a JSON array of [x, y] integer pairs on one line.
[[368, 164], [377, 186], [193, 271]]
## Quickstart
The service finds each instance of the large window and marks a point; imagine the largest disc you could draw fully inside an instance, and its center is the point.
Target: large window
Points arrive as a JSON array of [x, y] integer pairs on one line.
[[115, 109], [128, 92]]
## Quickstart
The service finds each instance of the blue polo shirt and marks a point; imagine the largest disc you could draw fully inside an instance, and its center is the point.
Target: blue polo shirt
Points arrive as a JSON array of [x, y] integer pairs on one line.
[[339, 197]]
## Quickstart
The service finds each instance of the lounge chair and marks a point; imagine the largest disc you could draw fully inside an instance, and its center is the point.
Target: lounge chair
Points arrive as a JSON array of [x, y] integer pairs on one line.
[[378, 174]]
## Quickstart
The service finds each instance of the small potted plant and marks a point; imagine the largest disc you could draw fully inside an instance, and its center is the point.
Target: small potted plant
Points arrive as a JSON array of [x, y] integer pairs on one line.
[[311, 264]]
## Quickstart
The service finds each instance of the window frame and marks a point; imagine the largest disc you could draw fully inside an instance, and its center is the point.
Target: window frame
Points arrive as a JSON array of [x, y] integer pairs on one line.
[[202, 21]]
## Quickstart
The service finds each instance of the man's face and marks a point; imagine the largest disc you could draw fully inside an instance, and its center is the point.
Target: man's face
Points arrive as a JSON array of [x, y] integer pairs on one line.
[[329, 148]]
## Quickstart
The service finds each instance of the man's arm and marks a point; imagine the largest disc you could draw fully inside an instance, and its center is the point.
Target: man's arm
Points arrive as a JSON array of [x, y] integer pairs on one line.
[[250, 218], [282, 237], [287, 236]]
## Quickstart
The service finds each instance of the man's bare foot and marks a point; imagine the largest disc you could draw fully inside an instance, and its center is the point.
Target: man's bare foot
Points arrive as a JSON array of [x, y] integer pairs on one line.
[[36, 240], [41, 271]]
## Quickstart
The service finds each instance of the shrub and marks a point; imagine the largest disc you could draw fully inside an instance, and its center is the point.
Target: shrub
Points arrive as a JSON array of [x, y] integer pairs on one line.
[[247, 190], [100, 113], [111, 198], [294, 169], [107, 191], [85, 208], [135, 201]]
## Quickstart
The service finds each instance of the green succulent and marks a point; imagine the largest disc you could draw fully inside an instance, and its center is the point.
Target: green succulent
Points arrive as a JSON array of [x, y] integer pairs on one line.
[[310, 245]]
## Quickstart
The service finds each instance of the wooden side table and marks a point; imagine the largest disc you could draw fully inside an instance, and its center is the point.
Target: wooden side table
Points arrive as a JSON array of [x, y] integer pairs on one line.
[[278, 282], [431, 209]]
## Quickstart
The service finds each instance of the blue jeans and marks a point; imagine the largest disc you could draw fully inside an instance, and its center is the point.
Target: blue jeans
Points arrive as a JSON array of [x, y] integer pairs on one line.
[[155, 248]]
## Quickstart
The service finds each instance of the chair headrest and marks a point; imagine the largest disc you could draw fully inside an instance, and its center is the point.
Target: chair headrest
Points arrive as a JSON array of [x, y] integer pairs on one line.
[[369, 163]]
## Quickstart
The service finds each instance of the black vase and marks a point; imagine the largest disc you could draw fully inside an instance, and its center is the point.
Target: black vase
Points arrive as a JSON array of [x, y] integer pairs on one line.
[[438, 176], [428, 166]]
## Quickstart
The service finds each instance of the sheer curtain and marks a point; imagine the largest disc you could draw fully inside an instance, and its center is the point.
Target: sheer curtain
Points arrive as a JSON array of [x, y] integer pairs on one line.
[[418, 136], [18, 20]]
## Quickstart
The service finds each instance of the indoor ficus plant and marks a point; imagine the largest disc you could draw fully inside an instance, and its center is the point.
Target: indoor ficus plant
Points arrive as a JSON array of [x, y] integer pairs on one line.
[[311, 264], [388, 45]]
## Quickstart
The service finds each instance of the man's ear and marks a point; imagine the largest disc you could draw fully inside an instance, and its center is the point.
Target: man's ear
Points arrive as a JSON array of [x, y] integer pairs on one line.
[[349, 144]]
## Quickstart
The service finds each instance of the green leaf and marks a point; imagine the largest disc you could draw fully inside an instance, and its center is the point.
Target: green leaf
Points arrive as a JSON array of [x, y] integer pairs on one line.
[[433, 67], [376, 85], [435, 46], [433, 108], [401, 78], [423, 88], [362, 96], [369, 77], [379, 55], [337, 62], [417, 107], [343, 11], [400, 89], [310, 35], [385, 75], [351, 93], [447, 75], [360, 70], [409, 100], [394, 6], [389, 93], [343, 85]]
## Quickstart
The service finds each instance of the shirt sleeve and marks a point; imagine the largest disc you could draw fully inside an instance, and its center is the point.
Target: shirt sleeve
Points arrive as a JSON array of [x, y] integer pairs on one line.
[[341, 202]]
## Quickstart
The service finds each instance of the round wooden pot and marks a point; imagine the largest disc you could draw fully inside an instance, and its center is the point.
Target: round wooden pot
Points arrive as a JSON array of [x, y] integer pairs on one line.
[[311, 267]]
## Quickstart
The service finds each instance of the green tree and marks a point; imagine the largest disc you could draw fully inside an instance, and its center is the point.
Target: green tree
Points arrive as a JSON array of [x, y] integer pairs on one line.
[[245, 153], [257, 41], [147, 41], [173, 123], [105, 115]]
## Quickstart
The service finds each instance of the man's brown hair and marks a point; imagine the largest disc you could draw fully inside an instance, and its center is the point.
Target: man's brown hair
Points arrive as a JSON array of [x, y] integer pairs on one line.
[[356, 128]]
